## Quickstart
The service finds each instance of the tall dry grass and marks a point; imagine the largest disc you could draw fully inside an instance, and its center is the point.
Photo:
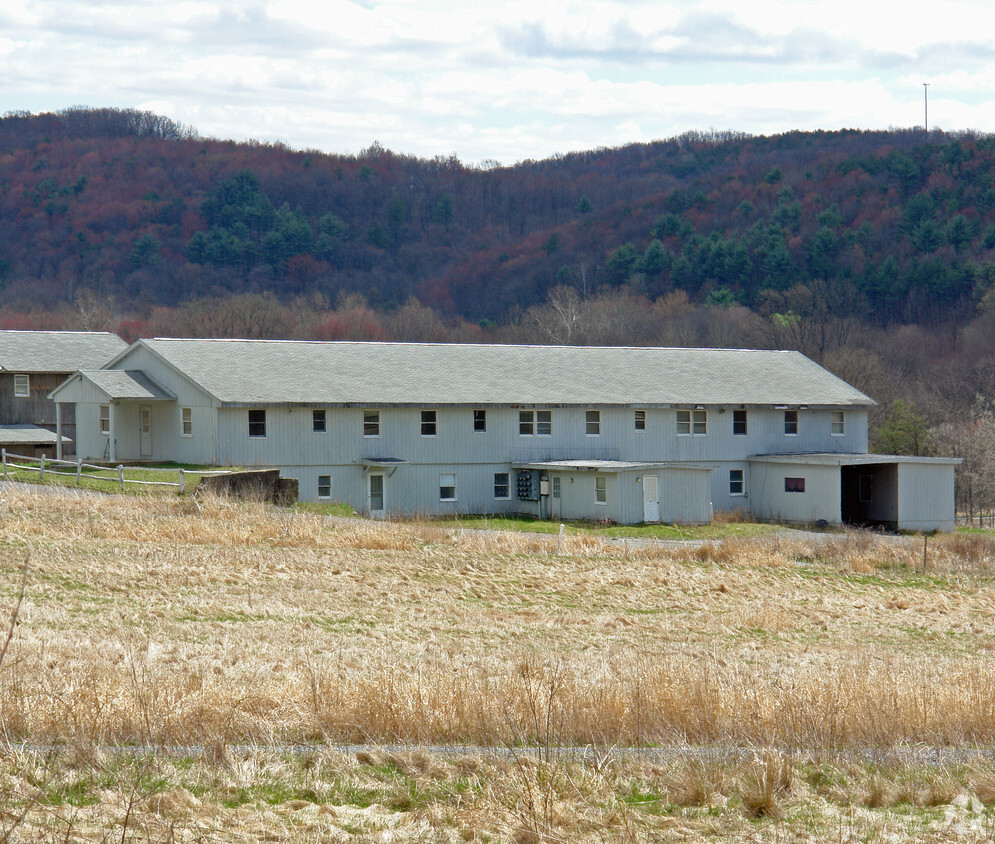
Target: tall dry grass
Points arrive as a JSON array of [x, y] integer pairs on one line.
[[213, 622]]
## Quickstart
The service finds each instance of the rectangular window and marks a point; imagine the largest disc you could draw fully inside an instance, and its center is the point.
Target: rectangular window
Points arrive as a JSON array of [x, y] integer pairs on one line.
[[640, 420], [371, 423], [535, 422], [324, 486], [837, 423], [556, 486], [105, 419], [480, 421], [544, 423], [502, 485], [791, 423], [257, 423], [739, 423], [447, 487], [592, 423], [186, 422], [794, 485], [736, 484], [318, 421], [428, 423], [22, 387], [600, 489], [692, 423]]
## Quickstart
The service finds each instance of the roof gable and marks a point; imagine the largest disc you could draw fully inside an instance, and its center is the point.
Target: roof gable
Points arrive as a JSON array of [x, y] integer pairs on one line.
[[300, 372]]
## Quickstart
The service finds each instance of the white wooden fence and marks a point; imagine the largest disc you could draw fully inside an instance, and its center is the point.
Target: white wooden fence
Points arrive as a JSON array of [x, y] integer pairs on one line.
[[50, 466]]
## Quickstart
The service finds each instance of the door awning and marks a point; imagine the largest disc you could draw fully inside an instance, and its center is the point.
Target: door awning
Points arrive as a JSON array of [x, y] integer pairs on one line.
[[387, 464]]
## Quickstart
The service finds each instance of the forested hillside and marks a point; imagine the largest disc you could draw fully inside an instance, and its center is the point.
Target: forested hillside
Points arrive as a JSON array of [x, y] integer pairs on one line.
[[896, 227], [871, 252]]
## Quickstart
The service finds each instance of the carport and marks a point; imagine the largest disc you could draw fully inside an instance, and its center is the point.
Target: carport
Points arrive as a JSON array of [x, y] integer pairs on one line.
[[875, 490]]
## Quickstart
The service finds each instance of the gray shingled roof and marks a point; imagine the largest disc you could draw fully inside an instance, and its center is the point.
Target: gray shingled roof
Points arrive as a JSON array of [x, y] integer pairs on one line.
[[26, 434], [57, 351], [279, 371], [127, 384]]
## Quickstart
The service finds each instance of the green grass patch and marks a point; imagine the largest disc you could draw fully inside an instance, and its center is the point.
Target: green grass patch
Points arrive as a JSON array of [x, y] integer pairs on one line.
[[154, 479]]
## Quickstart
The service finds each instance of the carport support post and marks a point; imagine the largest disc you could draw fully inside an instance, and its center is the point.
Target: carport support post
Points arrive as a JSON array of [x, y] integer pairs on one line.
[[58, 431]]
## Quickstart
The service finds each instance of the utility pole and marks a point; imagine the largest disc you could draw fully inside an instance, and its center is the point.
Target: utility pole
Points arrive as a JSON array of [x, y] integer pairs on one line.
[[925, 105]]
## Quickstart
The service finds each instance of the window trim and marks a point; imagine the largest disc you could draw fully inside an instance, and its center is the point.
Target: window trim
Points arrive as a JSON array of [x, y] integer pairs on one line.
[[319, 413], [601, 490], [736, 422], [103, 417], [442, 487], [328, 484], [592, 423], [371, 423], [256, 424], [22, 392], [833, 423], [791, 423], [740, 482], [186, 422], [506, 485], [429, 423]]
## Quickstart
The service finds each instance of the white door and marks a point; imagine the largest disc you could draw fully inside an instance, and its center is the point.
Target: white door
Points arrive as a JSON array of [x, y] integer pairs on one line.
[[376, 494], [651, 498], [145, 429]]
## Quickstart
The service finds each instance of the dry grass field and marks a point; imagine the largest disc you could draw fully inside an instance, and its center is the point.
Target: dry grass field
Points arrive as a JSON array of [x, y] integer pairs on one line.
[[791, 687]]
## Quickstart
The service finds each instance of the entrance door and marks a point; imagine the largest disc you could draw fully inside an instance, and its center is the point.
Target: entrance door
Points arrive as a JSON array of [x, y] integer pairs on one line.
[[145, 429], [651, 498], [376, 494]]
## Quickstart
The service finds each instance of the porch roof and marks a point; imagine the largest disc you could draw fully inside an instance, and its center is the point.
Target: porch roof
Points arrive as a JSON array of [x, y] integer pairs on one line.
[[607, 465], [127, 385]]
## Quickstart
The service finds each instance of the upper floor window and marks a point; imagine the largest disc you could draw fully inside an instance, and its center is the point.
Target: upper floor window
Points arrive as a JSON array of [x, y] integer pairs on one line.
[[186, 422], [837, 423], [371, 423], [640, 420], [535, 422], [480, 420], [318, 421], [22, 386], [791, 423], [257, 423], [739, 423], [692, 423], [105, 419], [429, 426], [592, 423]]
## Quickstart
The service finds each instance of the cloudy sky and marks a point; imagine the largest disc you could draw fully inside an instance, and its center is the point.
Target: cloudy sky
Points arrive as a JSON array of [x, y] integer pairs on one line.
[[503, 80]]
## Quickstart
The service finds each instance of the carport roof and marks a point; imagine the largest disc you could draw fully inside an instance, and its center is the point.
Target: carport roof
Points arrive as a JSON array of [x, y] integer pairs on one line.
[[836, 459]]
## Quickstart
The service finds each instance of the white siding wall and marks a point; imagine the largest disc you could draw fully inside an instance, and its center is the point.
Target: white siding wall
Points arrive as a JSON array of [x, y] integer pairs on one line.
[[820, 500], [925, 497]]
